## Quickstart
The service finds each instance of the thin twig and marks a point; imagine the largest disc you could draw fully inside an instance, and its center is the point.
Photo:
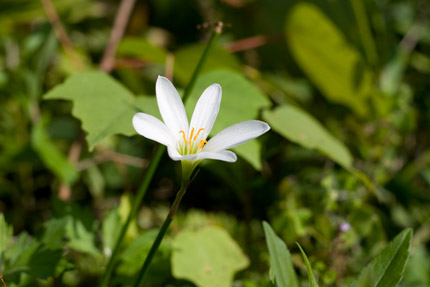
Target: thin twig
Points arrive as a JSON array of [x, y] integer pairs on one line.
[[2, 281], [61, 33], [253, 42], [248, 43], [121, 20], [109, 155], [65, 191], [117, 32], [170, 60]]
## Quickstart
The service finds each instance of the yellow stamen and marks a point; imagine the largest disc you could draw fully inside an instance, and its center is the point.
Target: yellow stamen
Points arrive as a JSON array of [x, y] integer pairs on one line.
[[201, 144], [191, 137], [183, 135], [198, 133]]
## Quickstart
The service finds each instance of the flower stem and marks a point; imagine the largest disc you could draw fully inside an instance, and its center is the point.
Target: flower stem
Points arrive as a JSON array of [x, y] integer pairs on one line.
[[160, 235], [153, 166], [139, 197], [212, 40]]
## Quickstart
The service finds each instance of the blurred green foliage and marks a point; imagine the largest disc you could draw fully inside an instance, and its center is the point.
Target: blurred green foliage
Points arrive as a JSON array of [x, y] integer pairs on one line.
[[346, 167]]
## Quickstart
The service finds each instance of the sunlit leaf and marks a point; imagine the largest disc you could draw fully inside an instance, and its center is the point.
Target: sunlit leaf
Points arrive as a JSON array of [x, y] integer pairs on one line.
[[280, 259], [241, 101], [321, 50], [301, 128], [386, 269], [102, 104], [208, 257]]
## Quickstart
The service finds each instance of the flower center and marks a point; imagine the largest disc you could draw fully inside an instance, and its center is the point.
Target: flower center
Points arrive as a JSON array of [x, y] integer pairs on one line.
[[190, 146]]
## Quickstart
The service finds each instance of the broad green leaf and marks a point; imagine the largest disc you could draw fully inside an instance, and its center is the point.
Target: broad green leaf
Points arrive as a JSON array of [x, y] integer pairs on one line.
[[51, 156], [102, 104], [186, 60], [44, 261], [280, 259], [312, 281], [6, 233], [142, 49], [21, 251], [208, 257], [301, 128], [386, 269], [323, 53], [241, 101], [111, 228]]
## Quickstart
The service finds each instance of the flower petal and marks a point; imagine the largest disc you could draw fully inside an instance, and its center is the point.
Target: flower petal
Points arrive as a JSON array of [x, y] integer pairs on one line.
[[235, 135], [152, 128], [206, 109], [171, 107], [224, 155]]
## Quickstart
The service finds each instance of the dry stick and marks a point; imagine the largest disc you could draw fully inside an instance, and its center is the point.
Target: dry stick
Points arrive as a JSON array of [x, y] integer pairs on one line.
[[61, 33], [64, 191], [117, 32], [252, 42], [1, 278]]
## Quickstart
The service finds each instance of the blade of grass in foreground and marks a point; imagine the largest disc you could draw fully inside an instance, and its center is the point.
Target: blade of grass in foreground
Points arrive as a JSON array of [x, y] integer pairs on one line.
[[312, 280], [280, 259]]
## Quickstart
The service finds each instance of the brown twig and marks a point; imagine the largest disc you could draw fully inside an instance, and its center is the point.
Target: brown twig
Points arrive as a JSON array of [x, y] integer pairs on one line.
[[170, 60], [108, 155], [107, 63], [65, 191], [251, 43], [61, 33], [2, 281], [117, 32]]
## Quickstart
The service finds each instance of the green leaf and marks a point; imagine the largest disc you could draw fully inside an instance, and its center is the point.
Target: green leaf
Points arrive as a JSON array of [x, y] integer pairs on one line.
[[51, 156], [111, 229], [6, 233], [136, 252], [280, 259], [55, 232], [386, 269], [102, 104], [312, 280], [44, 261], [241, 101], [186, 60], [208, 257], [333, 65], [301, 128], [80, 238], [142, 49]]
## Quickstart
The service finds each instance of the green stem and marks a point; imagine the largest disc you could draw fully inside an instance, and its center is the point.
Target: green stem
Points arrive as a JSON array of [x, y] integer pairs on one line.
[[160, 235], [154, 164], [215, 34], [139, 197], [365, 33]]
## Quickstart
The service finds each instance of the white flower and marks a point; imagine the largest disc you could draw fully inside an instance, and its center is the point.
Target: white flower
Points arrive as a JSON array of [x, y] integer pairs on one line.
[[188, 142]]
